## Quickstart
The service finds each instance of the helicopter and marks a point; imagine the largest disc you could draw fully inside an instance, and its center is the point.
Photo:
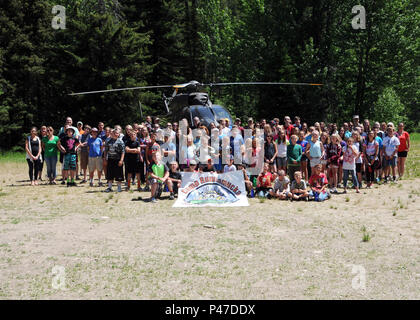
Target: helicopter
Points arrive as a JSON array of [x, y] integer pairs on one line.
[[192, 103]]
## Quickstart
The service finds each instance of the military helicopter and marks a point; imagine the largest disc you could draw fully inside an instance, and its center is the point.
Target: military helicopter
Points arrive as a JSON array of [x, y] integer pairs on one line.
[[192, 102]]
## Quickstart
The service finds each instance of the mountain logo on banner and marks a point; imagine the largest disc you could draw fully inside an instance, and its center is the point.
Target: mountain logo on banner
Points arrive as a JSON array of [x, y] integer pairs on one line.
[[211, 193], [205, 189]]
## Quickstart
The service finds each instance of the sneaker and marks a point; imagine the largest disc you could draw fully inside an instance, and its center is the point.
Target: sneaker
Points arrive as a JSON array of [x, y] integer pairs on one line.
[[100, 184], [91, 184], [77, 178], [171, 196], [63, 182], [146, 189], [108, 190], [68, 184], [154, 200], [139, 189], [83, 181], [339, 185]]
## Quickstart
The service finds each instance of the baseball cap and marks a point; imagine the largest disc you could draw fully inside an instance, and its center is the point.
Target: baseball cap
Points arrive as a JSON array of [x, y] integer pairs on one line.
[[70, 128], [80, 122], [95, 129], [355, 116]]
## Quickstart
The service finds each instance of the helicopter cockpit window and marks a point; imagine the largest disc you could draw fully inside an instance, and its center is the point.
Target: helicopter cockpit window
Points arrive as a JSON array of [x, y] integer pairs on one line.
[[221, 113], [203, 113]]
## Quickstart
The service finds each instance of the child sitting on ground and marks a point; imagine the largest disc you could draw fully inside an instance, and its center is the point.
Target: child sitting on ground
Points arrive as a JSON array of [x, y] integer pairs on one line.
[[264, 181], [248, 183], [298, 188], [281, 188], [159, 174], [174, 180], [318, 183]]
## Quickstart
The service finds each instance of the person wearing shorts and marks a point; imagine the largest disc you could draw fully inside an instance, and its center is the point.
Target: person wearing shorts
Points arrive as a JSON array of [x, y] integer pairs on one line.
[[95, 161], [314, 149], [114, 153], [403, 148], [389, 152], [69, 146]]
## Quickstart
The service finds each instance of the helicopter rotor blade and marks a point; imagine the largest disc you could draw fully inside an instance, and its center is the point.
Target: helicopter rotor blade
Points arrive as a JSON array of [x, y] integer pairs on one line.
[[182, 85], [263, 83], [120, 89]]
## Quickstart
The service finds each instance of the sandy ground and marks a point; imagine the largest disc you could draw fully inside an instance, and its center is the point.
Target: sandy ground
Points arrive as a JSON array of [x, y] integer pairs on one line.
[[80, 243]]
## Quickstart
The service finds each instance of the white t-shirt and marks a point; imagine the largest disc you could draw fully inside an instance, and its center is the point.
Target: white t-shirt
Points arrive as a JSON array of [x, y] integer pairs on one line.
[[349, 158], [359, 158], [282, 149], [390, 144], [225, 131], [229, 168]]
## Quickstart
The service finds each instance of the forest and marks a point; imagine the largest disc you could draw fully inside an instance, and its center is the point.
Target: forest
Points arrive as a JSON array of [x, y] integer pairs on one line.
[[372, 71]]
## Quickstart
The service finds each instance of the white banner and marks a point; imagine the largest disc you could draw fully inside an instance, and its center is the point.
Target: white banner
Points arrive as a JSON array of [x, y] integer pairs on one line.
[[212, 190]]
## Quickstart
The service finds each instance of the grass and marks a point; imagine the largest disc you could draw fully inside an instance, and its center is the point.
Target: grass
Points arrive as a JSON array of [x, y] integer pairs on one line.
[[10, 156], [366, 237]]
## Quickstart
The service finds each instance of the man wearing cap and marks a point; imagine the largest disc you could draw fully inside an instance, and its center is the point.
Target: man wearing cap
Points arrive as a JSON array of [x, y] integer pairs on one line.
[[250, 124], [80, 127], [355, 120], [69, 146], [95, 161]]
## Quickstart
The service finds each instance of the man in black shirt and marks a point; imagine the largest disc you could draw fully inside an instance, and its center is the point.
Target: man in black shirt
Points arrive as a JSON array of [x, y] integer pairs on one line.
[[132, 159], [174, 180]]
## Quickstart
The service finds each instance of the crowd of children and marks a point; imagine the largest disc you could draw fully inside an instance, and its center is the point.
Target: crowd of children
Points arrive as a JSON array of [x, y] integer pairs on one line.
[[299, 162]]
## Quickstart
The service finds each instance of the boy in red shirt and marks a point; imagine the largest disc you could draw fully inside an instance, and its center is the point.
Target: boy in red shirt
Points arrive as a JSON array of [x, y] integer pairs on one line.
[[318, 183], [264, 182]]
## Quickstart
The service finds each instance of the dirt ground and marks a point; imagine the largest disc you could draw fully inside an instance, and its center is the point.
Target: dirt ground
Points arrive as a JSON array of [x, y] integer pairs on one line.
[[80, 243]]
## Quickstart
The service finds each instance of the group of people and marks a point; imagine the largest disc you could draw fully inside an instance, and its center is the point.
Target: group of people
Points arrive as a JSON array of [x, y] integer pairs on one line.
[[297, 161]]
